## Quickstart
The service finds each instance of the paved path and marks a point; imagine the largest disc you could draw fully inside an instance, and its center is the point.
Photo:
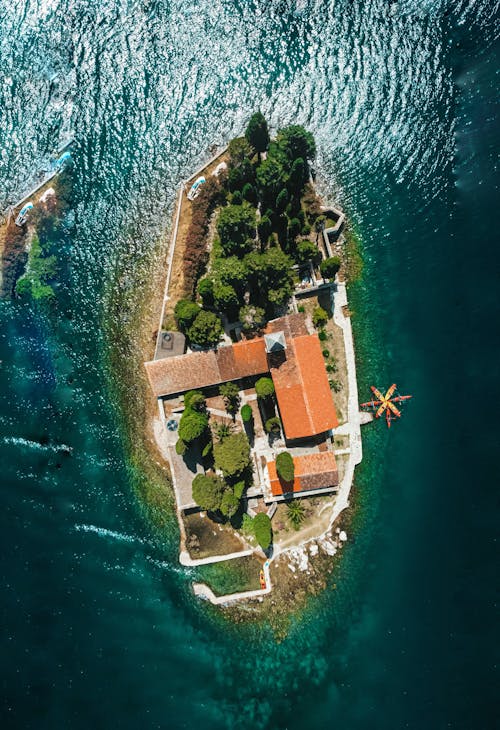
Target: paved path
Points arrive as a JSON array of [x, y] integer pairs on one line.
[[186, 559]]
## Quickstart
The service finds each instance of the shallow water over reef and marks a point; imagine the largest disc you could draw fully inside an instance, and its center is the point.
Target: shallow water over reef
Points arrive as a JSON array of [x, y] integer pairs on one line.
[[99, 623]]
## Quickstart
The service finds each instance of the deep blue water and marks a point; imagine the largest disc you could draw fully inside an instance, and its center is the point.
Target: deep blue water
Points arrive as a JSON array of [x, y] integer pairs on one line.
[[99, 625]]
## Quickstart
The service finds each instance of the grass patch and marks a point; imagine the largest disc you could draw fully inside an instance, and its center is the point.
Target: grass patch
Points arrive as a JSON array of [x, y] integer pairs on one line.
[[232, 576]]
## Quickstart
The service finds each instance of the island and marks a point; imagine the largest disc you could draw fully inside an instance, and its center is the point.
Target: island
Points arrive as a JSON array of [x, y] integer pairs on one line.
[[253, 369]]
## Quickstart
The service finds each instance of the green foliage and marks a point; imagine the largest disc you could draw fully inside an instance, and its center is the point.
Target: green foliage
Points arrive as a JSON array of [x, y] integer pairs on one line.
[[270, 275], [252, 318], [285, 466], [331, 368], [230, 271], [246, 413], [247, 525], [319, 223], [264, 387], [262, 530], [320, 317], [335, 385], [206, 329], [238, 489], [225, 296], [236, 198], [206, 291], [195, 400], [270, 179], [329, 267], [192, 425], [249, 193], [298, 175], [307, 251], [264, 229], [180, 447], [273, 425], [223, 430], [306, 229], [296, 142], [322, 335], [294, 228], [301, 309], [232, 455], [185, 313], [236, 228], [296, 513], [208, 492], [229, 503], [239, 149], [231, 395], [257, 133], [207, 449], [240, 175], [326, 353], [281, 200]]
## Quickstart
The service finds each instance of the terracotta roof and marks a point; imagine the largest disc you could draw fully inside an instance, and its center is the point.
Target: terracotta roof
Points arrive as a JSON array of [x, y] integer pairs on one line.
[[201, 369], [304, 397], [312, 471]]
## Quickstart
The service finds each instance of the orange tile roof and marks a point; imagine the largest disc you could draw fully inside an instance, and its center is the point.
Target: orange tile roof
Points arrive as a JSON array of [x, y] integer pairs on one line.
[[312, 471], [304, 397]]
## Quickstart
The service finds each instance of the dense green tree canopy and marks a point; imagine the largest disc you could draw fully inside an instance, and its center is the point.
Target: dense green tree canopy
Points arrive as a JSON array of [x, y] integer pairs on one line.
[[330, 267], [252, 318], [208, 492], [257, 133], [206, 291], [285, 466], [192, 425], [229, 503], [320, 317], [236, 227], [185, 313], [225, 296], [231, 394], [307, 251], [206, 329], [262, 530], [264, 387], [270, 179], [232, 455], [195, 400], [296, 142]]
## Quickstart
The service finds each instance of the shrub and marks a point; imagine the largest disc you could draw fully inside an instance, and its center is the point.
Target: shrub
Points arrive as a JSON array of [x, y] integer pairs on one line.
[[252, 317], [329, 267], [273, 425], [229, 503], [264, 387], [246, 413], [257, 133], [236, 199], [326, 353], [206, 329], [330, 368], [231, 394], [322, 336], [320, 317], [281, 200], [232, 455], [306, 229], [285, 466], [180, 447], [294, 228], [208, 492], [301, 309], [247, 525], [249, 194], [185, 313], [296, 513], [225, 296], [236, 228], [195, 400], [262, 530], [192, 425]]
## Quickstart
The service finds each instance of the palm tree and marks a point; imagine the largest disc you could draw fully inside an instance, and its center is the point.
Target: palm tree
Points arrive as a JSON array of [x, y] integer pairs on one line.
[[296, 513], [223, 430]]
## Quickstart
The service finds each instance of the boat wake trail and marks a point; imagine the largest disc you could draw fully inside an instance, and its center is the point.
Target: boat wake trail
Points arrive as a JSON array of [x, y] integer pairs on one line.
[[37, 445]]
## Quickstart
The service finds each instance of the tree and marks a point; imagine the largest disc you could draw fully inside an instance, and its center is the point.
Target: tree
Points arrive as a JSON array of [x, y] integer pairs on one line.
[[319, 225], [273, 425], [223, 430], [206, 291], [296, 513], [180, 447], [236, 199], [264, 229], [206, 329], [239, 149], [195, 400], [281, 200], [294, 228], [329, 267], [262, 530], [285, 466], [229, 503], [307, 251], [225, 296], [270, 179], [296, 143], [231, 271], [238, 489], [297, 177], [208, 492], [320, 317], [231, 394], [270, 275], [257, 133], [252, 318], [185, 313], [232, 455], [192, 425], [236, 228], [246, 413], [264, 387], [249, 193]]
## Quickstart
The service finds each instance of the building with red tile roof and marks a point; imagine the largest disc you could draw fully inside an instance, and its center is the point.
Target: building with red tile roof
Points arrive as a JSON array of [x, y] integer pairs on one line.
[[312, 471], [294, 360]]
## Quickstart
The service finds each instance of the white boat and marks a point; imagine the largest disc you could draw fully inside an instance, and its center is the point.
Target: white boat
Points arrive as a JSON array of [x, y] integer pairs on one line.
[[196, 188], [23, 214], [220, 167]]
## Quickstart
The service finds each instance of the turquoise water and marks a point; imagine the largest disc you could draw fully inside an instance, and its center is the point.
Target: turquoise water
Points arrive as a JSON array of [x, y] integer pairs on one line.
[[99, 624]]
